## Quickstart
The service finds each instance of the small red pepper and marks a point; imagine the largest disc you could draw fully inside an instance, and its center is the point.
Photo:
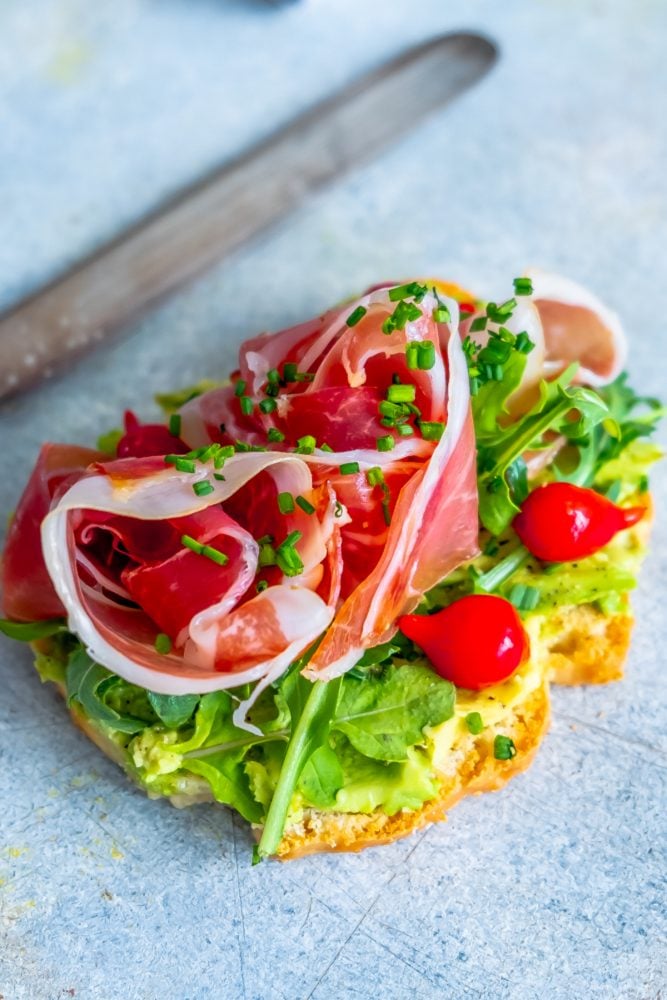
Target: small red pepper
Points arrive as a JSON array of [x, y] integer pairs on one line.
[[561, 523], [475, 642]]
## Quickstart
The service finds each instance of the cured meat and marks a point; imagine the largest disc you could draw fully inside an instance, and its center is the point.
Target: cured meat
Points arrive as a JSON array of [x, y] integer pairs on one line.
[[414, 522], [27, 591], [113, 545], [352, 446], [577, 326]]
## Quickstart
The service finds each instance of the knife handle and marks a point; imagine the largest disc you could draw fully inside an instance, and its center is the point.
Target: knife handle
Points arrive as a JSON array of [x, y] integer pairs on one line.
[[210, 219]]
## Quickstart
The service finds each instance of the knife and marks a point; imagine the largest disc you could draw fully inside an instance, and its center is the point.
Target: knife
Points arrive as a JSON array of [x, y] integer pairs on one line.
[[212, 218]]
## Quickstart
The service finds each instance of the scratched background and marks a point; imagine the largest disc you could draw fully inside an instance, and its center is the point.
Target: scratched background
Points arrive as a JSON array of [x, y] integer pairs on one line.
[[554, 887]]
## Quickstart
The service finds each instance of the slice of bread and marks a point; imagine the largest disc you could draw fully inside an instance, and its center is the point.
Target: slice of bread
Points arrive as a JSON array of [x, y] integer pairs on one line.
[[572, 645]]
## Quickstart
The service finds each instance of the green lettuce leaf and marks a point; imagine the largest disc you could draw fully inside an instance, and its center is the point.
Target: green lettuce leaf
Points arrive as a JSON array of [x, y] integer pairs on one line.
[[383, 717], [173, 709], [31, 631], [87, 683], [321, 778]]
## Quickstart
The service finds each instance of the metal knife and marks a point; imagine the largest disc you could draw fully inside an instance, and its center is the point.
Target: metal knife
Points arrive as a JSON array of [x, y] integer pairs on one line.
[[212, 218]]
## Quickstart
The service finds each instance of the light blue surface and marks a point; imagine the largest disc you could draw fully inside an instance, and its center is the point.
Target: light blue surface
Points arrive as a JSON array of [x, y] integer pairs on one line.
[[553, 888]]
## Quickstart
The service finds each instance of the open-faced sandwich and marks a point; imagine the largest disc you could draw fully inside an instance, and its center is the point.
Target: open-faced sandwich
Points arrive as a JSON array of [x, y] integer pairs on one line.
[[331, 592]]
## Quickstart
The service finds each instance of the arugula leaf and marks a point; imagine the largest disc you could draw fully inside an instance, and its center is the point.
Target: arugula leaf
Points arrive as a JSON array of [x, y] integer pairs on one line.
[[173, 709], [583, 462], [229, 783], [31, 631], [309, 731], [498, 451], [87, 682], [322, 777], [489, 404], [383, 717]]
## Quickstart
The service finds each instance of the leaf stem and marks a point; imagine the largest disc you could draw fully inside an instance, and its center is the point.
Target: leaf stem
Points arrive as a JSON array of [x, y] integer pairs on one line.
[[295, 758]]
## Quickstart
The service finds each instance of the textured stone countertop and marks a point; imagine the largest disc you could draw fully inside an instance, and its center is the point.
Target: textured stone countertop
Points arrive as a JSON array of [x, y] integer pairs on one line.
[[553, 888]]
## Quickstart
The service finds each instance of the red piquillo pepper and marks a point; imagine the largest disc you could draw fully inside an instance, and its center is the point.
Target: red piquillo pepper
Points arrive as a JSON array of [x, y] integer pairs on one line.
[[561, 523], [475, 642]]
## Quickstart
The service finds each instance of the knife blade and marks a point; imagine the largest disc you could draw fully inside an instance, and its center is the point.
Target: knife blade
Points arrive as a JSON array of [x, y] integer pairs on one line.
[[105, 292]]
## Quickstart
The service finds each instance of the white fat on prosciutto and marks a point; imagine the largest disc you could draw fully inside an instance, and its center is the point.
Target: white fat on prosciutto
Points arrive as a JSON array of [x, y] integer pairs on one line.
[[269, 629]]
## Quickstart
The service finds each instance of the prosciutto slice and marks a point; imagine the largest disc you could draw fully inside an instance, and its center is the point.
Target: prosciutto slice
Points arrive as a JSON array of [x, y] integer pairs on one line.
[[406, 534], [112, 545]]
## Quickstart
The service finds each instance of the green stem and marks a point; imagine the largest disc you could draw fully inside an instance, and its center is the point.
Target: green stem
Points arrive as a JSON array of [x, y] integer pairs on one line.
[[280, 734], [297, 753], [492, 579]]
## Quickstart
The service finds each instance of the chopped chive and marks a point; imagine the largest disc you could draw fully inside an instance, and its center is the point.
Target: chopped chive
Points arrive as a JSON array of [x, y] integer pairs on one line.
[[273, 376], [292, 539], [426, 355], [441, 314], [431, 430], [272, 389], [338, 509], [306, 445], [285, 503], [274, 434], [401, 393], [523, 343], [388, 326], [246, 405], [175, 424], [305, 505], [266, 540], [214, 555], [501, 313], [348, 468], [239, 387], [202, 488], [262, 585], [267, 555], [523, 286], [473, 721], [524, 597], [184, 465], [386, 512], [355, 316], [191, 543], [219, 477], [412, 356], [268, 405], [289, 371], [478, 324], [503, 747], [405, 430], [326, 447], [412, 290], [375, 476], [405, 312], [162, 643], [385, 443]]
